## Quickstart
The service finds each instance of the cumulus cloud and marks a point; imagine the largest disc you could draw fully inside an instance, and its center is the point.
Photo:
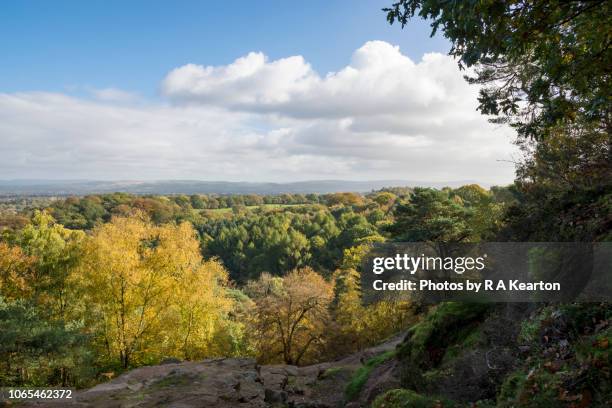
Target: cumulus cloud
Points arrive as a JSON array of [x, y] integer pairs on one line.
[[381, 116], [248, 81], [379, 80]]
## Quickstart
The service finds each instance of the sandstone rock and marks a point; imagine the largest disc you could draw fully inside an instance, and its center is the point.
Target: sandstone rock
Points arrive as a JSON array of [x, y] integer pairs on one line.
[[274, 377], [218, 383], [275, 397], [249, 390]]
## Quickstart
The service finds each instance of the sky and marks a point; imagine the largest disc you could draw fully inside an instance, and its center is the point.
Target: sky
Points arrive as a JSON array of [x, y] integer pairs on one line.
[[238, 91]]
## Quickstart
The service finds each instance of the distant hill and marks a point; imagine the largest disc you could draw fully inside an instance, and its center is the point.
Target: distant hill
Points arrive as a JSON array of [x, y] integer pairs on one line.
[[81, 187]]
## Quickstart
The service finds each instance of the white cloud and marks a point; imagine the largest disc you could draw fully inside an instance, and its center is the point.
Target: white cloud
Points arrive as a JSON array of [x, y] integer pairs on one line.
[[113, 95], [248, 81], [379, 80], [381, 116]]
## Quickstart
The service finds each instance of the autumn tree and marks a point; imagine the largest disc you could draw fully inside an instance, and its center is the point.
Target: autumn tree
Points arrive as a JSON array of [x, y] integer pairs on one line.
[[344, 199], [16, 272], [357, 325], [347, 311], [150, 292], [291, 315], [201, 310], [384, 198], [54, 251]]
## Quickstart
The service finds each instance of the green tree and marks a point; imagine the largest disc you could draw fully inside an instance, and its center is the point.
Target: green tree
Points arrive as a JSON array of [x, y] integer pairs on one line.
[[36, 351], [55, 251], [544, 68], [433, 216], [541, 62]]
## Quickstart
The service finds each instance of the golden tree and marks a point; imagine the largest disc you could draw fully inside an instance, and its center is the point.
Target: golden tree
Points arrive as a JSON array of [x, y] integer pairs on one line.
[[291, 315], [150, 292], [16, 272]]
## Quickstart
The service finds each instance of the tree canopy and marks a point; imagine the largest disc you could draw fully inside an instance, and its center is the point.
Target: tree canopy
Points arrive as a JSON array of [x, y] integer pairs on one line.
[[541, 62], [544, 69]]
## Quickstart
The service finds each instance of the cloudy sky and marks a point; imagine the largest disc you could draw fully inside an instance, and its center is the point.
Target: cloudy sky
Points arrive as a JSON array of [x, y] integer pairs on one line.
[[268, 94]]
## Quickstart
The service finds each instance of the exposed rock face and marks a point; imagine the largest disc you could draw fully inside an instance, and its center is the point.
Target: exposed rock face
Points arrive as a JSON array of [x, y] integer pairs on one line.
[[224, 383], [210, 383]]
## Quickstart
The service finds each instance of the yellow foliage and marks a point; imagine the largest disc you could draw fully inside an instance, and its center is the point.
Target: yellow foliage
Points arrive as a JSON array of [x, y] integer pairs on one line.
[[16, 270], [150, 292], [358, 325], [352, 257], [291, 315]]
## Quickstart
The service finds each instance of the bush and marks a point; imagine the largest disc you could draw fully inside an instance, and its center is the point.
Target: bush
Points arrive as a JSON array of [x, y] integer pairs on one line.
[[426, 341]]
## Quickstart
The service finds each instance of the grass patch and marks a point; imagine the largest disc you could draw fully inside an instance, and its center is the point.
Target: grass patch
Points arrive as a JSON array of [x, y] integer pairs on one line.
[[219, 210], [229, 210], [427, 342], [401, 398], [353, 388], [330, 372], [531, 328]]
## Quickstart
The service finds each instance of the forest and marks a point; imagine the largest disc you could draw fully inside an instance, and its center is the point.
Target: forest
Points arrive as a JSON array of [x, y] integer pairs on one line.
[[104, 283]]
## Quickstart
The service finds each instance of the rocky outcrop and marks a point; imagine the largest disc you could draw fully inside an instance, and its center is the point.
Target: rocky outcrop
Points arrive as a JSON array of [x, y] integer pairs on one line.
[[224, 383], [210, 383]]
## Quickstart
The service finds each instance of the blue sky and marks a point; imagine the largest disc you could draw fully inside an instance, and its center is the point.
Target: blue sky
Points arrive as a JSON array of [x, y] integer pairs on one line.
[[58, 45], [239, 91]]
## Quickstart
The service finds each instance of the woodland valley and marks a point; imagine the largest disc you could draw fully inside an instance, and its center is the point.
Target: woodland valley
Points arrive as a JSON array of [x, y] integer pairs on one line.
[[95, 286], [208, 299]]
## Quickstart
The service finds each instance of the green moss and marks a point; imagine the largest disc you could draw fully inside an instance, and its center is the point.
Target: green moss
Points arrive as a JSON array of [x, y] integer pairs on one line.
[[539, 388], [427, 341], [381, 358], [484, 404], [511, 385], [362, 374], [469, 339], [331, 372], [531, 328], [435, 375], [402, 398]]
